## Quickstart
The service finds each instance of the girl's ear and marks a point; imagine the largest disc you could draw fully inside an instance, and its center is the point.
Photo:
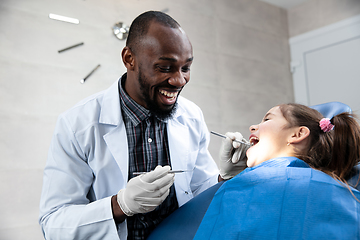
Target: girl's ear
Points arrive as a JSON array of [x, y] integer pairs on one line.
[[128, 58], [300, 134]]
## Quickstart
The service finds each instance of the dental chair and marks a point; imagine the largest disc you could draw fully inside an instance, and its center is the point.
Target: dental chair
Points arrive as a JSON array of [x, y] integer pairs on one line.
[[184, 222]]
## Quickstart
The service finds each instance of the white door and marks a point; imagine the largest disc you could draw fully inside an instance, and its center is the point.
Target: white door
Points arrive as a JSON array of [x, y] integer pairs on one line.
[[326, 64]]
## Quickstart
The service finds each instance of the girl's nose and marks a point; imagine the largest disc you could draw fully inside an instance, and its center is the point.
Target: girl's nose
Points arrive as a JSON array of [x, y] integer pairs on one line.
[[253, 128]]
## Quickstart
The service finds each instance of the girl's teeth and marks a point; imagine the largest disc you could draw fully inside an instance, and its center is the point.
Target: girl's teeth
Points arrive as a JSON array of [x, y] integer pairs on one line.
[[254, 140]]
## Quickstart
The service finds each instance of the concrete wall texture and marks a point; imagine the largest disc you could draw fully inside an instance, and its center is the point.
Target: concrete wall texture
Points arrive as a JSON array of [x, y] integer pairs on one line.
[[314, 14], [240, 70]]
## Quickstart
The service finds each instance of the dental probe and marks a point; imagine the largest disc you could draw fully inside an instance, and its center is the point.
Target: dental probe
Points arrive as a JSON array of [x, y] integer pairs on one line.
[[171, 171], [236, 140]]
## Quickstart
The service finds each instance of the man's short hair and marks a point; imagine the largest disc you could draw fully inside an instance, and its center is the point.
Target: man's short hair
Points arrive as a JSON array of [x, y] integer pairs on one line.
[[140, 26]]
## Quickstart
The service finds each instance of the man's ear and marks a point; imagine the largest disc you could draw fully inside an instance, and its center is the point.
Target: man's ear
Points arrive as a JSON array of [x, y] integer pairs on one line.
[[300, 134], [128, 58]]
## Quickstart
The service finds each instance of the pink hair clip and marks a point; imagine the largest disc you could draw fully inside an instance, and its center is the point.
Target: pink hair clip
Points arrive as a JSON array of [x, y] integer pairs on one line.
[[326, 125]]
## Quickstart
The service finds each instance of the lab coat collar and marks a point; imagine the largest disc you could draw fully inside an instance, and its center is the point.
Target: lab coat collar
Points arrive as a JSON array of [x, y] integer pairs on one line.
[[110, 109], [179, 109]]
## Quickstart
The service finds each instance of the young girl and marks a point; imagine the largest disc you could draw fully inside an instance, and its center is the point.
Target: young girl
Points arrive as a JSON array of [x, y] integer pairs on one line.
[[295, 185], [331, 146]]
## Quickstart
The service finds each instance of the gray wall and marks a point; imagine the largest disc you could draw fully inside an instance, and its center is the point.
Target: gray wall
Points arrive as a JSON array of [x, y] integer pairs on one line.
[[239, 72], [314, 14]]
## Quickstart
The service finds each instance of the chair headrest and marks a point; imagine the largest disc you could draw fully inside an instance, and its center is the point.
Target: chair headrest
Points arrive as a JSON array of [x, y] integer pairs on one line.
[[331, 109]]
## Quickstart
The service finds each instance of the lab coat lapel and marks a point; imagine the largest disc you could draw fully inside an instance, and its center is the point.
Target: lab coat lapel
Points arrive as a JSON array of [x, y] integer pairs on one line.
[[178, 135], [116, 138], [116, 141], [178, 144]]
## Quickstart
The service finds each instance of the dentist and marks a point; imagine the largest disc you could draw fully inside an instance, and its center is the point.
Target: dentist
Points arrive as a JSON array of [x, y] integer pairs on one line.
[[139, 124]]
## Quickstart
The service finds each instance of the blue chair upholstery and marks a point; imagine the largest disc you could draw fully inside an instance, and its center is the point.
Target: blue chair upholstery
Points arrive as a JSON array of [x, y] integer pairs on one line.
[[332, 109], [178, 225]]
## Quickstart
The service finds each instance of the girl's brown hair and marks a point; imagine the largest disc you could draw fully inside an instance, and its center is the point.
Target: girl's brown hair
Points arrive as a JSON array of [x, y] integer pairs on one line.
[[335, 152]]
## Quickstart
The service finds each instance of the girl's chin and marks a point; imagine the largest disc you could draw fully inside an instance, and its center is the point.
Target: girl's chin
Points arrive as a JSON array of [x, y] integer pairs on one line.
[[250, 162]]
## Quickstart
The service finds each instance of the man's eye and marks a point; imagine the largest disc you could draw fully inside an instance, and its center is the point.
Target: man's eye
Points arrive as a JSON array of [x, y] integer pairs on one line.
[[185, 69], [164, 68]]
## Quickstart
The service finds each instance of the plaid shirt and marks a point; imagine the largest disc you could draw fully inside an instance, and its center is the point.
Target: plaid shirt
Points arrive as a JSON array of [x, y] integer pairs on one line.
[[148, 147]]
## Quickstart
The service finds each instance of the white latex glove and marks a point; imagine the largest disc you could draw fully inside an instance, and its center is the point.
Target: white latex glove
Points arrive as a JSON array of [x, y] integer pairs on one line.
[[232, 155], [145, 192]]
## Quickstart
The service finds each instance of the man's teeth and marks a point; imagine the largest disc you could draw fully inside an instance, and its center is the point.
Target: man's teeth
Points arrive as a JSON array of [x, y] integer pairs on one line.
[[168, 94]]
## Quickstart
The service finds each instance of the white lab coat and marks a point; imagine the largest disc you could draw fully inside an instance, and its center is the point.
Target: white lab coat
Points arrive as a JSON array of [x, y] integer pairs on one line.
[[88, 163]]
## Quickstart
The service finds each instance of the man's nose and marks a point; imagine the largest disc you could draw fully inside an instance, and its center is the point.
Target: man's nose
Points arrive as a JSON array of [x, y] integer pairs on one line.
[[178, 79]]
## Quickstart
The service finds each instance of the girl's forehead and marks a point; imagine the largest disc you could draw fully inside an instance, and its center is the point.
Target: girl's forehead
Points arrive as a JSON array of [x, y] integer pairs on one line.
[[275, 110]]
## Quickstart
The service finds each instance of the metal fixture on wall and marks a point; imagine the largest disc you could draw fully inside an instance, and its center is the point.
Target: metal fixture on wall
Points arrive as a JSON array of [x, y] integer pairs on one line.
[[84, 79], [63, 18], [120, 30], [65, 49]]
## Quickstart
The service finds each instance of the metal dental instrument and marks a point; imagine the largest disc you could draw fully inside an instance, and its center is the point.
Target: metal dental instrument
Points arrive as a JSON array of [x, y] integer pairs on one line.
[[236, 140], [171, 171]]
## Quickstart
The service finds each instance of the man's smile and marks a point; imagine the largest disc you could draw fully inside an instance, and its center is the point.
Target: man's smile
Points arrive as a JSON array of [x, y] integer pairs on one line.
[[167, 97]]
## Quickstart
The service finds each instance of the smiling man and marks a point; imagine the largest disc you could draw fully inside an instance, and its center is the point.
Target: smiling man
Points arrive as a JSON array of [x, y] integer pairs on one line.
[[158, 66], [92, 189]]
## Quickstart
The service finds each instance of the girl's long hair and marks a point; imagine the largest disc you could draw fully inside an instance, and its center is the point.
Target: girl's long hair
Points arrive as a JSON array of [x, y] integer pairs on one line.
[[335, 152]]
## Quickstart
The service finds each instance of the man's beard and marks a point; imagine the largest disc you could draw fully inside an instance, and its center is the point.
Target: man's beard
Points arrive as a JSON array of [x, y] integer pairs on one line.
[[152, 105]]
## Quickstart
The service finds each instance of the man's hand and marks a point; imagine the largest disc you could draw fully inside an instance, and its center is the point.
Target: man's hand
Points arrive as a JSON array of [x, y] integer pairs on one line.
[[145, 192], [232, 155]]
